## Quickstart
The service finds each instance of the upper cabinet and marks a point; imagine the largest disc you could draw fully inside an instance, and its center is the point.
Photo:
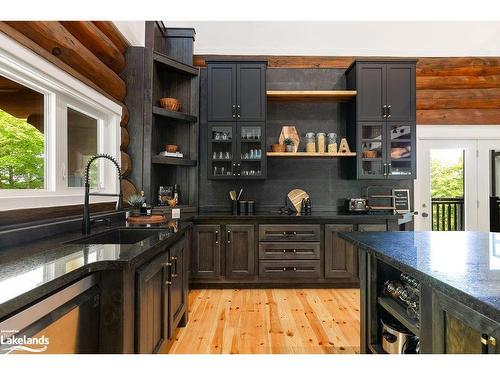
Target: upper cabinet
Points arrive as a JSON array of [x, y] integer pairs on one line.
[[382, 119], [236, 120], [385, 91], [236, 91]]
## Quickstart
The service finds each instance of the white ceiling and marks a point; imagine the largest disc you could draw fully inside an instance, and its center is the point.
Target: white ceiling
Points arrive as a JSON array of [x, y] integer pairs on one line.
[[346, 38]]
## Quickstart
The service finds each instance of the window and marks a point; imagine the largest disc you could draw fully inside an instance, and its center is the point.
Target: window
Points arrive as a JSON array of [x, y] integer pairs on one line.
[[51, 124], [22, 140], [82, 145]]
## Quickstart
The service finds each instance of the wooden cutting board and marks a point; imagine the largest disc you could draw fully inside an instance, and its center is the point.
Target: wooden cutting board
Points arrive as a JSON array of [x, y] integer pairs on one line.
[[295, 196], [146, 219], [290, 132]]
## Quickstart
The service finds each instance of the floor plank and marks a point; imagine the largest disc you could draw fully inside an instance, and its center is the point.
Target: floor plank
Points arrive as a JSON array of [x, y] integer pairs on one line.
[[270, 321]]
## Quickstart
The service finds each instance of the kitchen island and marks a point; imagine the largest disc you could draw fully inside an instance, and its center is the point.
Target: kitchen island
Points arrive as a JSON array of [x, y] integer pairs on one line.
[[456, 285]]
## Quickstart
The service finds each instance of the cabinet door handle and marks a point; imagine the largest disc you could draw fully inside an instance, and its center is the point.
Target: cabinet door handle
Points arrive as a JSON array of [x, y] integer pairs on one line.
[[385, 169], [234, 111], [389, 111], [389, 169], [228, 236], [216, 236], [384, 111]]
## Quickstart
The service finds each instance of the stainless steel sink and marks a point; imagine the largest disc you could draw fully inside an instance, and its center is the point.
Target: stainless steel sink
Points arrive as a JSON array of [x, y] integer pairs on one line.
[[120, 236]]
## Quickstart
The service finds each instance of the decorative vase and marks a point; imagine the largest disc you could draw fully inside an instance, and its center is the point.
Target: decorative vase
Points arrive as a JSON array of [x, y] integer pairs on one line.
[[290, 148]]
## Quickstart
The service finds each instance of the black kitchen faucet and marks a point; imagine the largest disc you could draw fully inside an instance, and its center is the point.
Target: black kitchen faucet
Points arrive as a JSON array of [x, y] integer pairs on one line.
[[87, 222]]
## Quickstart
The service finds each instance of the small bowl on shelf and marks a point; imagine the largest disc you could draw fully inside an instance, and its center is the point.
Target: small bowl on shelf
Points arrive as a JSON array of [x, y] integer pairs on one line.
[[369, 154], [171, 104], [172, 148], [278, 147]]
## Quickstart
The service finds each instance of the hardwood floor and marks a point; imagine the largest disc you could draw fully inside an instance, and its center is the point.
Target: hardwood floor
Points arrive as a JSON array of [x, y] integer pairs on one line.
[[270, 321]]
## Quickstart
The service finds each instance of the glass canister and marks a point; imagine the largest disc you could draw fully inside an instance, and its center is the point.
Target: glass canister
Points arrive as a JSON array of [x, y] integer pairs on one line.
[[320, 142], [332, 143], [310, 142]]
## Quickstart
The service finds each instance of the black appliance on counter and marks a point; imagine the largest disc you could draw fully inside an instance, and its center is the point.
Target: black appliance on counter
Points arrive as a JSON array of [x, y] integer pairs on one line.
[[357, 205]]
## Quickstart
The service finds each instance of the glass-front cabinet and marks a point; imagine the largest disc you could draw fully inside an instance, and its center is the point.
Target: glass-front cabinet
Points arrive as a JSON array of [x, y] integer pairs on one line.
[[236, 151], [386, 150]]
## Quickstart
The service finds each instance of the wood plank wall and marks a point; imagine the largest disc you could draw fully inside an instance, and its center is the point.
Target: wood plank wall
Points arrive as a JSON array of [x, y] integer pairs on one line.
[[92, 52], [450, 90]]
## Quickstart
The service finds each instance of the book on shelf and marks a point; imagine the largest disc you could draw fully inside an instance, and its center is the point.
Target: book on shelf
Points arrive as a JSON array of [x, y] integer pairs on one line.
[[172, 154]]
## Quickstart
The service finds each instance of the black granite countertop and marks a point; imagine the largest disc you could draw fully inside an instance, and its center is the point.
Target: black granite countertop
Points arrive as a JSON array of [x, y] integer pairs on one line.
[[27, 275], [318, 216], [463, 265]]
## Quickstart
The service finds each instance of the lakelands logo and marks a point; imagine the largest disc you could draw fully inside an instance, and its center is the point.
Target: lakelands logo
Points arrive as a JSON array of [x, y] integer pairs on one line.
[[11, 343]]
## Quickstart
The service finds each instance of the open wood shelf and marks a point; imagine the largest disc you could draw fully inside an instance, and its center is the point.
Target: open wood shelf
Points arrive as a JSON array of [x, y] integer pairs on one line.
[[331, 95], [166, 160], [179, 116], [309, 155], [399, 313], [174, 64]]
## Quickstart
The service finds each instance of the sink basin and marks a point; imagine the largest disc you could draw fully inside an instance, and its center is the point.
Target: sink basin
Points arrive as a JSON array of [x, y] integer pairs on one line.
[[119, 236]]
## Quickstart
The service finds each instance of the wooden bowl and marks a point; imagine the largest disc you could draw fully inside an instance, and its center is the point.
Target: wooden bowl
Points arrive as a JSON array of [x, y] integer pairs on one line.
[[171, 148], [278, 148], [369, 154], [172, 202], [171, 104]]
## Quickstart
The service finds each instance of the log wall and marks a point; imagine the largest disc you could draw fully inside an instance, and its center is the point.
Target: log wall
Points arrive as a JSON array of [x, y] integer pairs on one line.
[[450, 90], [92, 52]]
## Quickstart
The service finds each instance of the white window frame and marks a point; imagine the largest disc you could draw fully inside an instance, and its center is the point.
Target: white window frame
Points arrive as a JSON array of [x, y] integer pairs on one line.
[[61, 90]]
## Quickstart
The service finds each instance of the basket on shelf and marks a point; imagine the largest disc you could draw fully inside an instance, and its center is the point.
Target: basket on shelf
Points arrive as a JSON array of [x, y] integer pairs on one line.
[[171, 104]]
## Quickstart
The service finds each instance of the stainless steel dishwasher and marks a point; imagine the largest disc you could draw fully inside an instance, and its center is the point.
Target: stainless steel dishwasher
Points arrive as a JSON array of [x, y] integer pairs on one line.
[[66, 322]]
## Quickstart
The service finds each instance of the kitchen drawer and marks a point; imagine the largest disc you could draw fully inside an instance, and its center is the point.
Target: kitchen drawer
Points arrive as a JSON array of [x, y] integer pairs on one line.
[[273, 232], [290, 269], [289, 250], [372, 228]]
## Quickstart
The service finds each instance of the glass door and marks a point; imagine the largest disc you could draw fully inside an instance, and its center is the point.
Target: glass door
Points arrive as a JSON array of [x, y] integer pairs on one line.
[[251, 150], [488, 172], [446, 186], [371, 143], [221, 151], [400, 153]]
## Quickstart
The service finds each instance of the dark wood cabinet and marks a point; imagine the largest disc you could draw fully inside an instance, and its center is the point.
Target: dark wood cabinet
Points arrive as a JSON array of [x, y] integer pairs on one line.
[[206, 252], [457, 329], [152, 321], [222, 92], [341, 258], [236, 91], [371, 78], [240, 251], [251, 92], [179, 286], [382, 121], [236, 120]]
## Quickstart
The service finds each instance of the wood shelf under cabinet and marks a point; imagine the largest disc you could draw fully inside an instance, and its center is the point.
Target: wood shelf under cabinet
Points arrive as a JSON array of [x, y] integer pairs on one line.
[[310, 154], [312, 95], [179, 116]]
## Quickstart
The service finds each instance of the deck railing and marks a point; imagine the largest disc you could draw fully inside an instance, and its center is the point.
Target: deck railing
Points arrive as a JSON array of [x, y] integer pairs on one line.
[[447, 214]]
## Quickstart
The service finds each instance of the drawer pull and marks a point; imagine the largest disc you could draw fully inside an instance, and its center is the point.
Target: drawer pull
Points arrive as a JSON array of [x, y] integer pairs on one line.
[[167, 264], [168, 283]]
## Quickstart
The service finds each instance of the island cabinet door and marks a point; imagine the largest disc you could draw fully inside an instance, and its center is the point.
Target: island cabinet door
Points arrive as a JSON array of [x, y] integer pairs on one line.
[[240, 251], [458, 329], [152, 305], [178, 287], [340, 256], [206, 252]]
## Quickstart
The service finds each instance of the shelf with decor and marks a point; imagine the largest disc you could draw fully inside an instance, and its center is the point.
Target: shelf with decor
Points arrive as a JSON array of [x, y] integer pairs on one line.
[[312, 95], [310, 154], [178, 116]]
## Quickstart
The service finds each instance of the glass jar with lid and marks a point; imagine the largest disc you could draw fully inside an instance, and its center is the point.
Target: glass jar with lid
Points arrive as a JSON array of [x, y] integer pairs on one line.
[[332, 143], [320, 142], [310, 142]]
